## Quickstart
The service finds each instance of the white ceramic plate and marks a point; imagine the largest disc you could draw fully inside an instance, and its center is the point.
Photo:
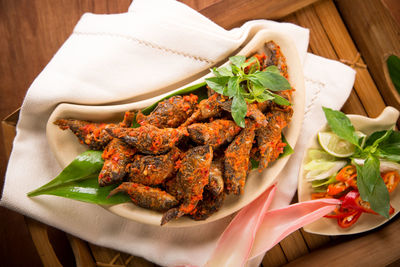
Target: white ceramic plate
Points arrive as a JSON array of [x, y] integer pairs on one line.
[[66, 147], [325, 226]]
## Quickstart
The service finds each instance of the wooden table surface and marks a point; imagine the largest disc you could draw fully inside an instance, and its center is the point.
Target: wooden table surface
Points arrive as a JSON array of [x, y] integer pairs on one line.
[[33, 30]]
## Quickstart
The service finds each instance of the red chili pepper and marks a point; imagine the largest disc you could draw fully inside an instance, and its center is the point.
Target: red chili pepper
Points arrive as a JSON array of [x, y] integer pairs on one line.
[[364, 205], [391, 180], [350, 201], [348, 175], [350, 219], [336, 188], [339, 213]]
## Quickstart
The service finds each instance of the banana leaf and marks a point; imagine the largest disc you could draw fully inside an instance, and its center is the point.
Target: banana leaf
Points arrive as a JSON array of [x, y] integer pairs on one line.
[[79, 181]]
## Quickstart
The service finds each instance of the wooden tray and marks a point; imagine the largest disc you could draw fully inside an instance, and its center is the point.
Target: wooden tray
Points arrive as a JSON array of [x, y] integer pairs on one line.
[[329, 38]]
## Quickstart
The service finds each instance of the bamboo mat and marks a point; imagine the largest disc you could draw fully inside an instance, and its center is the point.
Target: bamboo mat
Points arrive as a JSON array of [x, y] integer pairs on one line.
[[329, 38]]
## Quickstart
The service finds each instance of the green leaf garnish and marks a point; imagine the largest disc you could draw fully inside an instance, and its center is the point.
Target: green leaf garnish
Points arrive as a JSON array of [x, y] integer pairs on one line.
[[372, 187], [271, 80], [341, 125], [379, 145], [393, 64], [280, 100], [218, 84], [243, 82], [237, 60], [79, 181], [239, 110]]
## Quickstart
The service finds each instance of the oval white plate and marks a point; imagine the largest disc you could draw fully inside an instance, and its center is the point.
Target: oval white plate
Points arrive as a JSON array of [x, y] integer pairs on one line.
[[325, 226], [66, 147]]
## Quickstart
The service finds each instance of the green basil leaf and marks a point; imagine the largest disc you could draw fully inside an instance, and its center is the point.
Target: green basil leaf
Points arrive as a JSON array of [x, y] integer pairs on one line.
[[250, 61], [237, 60], [273, 69], [373, 137], [233, 87], [393, 64], [225, 71], [341, 125], [389, 151], [217, 83], [81, 168], [280, 100], [372, 187], [236, 70], [239, 110], [384, 144], [216, 72], [392, 138], [383, 138], [257, 88], [264, 97], [272, 81]]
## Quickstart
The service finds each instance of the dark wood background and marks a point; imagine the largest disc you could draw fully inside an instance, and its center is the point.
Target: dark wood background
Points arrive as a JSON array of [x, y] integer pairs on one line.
[[31, 31]]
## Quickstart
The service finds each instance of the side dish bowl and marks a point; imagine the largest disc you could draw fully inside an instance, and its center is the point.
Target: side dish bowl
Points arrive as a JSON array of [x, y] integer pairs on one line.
[[65, 146], [325, 226]]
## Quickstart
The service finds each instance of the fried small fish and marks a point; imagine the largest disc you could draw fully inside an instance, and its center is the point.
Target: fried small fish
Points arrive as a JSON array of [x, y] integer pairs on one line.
[[128, 119], [207, 206], [192, 176], [147, 197], [216, 180], [207, 108], [215, 133], [269, 138], [275, 57], [170, 113], [149, 139], [237, 158], [116, 156], [153, 170], [91, 134]]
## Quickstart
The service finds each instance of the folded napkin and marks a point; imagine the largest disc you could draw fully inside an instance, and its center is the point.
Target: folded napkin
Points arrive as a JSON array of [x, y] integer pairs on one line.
[[115, 58]]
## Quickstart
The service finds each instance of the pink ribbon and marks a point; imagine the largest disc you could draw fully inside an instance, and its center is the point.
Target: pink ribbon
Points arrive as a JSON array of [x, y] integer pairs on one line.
[[255, 230]]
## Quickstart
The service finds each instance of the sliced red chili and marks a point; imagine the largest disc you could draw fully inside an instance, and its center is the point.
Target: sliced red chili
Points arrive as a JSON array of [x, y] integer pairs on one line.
[[346, 173], [364, 205], [339, 213], [336, 188], [349, 220], [350, 200], [391, 180], [391, 210]]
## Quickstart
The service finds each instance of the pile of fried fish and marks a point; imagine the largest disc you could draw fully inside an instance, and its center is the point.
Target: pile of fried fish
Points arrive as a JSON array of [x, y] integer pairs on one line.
[[186, 156]]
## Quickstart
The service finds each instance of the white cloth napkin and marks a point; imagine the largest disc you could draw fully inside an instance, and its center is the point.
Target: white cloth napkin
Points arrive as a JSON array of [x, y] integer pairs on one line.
[[111, 58]]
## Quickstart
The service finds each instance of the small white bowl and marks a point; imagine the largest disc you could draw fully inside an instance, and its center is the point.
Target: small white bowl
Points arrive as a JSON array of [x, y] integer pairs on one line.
[[66, 147], [326, 226]]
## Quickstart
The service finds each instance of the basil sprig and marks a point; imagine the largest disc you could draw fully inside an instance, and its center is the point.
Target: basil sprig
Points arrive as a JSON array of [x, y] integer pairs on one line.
[[243, 82], [379, 145]]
